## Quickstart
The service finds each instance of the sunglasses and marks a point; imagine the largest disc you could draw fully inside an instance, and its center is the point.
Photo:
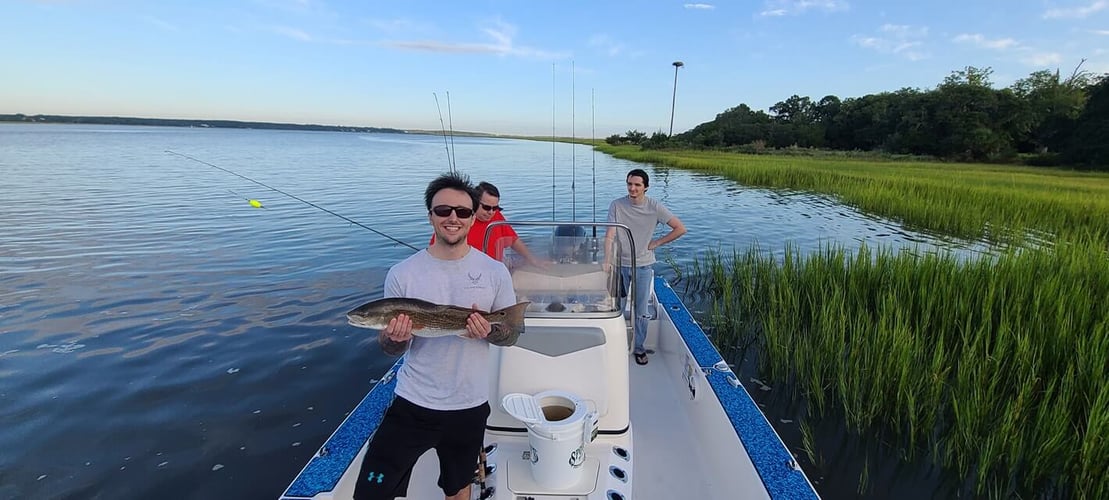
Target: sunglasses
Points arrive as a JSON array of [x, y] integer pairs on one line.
[[491, 208], [445, 211]]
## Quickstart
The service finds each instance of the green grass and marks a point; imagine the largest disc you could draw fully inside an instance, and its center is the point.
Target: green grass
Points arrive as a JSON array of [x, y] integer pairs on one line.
[[998, 203], [995, 367]]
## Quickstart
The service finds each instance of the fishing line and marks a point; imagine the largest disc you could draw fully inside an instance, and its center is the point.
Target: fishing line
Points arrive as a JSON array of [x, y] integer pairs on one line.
[[443, 127], [306, 202], [254, 203], [554, 104], [450, 121], [573, 145]]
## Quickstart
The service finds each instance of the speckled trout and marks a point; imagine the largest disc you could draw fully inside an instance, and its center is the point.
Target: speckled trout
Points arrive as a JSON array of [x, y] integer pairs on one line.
[[434, 320]]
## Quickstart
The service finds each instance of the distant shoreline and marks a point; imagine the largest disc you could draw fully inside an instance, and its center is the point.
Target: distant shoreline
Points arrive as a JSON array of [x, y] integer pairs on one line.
[[172, 122]]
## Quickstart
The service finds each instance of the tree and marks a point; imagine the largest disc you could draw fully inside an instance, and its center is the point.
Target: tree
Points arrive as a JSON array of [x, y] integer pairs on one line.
[[1089, 144], [796, 110], [967, 117], [1049, 105]]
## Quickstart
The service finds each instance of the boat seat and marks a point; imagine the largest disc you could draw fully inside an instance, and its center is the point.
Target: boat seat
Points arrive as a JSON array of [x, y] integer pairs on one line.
[[559, 341]]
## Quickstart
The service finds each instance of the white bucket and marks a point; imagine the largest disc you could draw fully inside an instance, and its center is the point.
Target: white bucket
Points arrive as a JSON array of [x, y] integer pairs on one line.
[[559, 427]]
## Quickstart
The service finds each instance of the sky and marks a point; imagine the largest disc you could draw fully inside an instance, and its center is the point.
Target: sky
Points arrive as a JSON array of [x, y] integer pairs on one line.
[[565, 67]]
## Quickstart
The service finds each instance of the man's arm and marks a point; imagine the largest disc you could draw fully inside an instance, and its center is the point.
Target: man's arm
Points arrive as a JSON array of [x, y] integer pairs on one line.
[[677, 229], [522, 249], [391, 348], [610, 246]]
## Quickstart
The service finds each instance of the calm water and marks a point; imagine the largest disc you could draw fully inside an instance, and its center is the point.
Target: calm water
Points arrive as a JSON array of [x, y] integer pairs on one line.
[[161, 338]]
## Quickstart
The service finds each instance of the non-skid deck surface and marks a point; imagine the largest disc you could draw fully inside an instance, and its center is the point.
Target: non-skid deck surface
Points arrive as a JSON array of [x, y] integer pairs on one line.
[[667, 465]]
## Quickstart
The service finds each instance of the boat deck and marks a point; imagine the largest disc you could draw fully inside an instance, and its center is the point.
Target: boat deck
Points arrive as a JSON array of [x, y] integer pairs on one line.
[[667, 463], [694, 432]]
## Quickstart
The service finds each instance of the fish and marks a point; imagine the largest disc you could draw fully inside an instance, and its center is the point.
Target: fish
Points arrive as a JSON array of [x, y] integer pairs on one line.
[[433, 320]]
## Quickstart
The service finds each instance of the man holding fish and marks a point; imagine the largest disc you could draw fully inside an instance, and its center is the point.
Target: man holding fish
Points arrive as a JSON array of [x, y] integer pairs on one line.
[[442, 388]]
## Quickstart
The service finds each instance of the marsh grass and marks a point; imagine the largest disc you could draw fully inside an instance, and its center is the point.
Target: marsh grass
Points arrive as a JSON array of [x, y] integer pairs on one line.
[[1000, 203], [994, 367]]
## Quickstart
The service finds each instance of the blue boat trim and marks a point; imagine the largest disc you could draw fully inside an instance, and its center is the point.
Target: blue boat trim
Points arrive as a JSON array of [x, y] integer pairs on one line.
[[772, 460], [326, 468]]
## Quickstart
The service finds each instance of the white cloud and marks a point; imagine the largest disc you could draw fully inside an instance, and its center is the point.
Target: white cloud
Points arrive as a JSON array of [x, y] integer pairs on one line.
[[1040, 59], [1100, 32], [399, 26], [904, 31], [778, 8], [294, 33], [502, 35], [606, 44], [1081, 12], [981, 41], [897, 39], [699, 6], [161, 23]]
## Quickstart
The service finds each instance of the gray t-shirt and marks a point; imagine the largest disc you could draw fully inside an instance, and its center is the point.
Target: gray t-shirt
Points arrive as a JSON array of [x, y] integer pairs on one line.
[[641, 219], [452, 372]]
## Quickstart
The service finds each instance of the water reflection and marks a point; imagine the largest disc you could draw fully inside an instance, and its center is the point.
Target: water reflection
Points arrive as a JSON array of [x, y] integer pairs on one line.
[[160, 337]]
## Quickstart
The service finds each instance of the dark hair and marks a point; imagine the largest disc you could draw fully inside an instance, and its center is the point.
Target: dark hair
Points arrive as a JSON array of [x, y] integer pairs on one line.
[[640, 173], [453, 180], [485, 187]]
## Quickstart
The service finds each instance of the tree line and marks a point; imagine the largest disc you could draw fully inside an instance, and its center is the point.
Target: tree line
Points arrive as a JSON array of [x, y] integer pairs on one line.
[[175, 122], [1043, 119]]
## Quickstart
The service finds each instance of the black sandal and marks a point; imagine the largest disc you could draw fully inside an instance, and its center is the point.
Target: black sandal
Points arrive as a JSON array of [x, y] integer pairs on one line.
[[640, 358]]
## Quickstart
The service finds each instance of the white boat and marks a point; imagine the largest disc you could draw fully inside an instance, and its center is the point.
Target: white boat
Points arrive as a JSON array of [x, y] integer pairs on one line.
[[573, 417]]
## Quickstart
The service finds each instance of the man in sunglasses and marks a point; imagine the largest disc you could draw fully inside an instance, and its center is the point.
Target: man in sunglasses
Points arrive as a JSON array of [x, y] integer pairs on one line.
[[641, 214], [502, 236], [442, 388]]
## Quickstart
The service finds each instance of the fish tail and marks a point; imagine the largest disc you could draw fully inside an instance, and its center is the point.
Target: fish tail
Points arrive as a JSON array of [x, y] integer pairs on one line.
[[507, 331]]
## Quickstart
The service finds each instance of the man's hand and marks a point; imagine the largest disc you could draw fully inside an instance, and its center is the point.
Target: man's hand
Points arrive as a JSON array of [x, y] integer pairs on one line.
[[394, 338], [477, 327], [399, 328]]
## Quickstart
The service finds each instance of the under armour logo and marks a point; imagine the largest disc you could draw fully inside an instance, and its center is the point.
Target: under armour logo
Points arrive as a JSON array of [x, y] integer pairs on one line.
[[380, 477]]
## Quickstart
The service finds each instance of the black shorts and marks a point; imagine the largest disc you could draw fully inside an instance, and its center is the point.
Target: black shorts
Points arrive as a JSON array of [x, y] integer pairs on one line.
[[409, 430]]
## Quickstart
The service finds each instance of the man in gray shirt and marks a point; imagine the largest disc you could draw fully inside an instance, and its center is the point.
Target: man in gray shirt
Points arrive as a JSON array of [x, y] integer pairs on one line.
[[443, 386], [641, 214]]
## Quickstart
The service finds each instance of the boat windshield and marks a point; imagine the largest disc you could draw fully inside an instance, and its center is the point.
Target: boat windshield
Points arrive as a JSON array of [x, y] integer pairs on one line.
[[566, 275]]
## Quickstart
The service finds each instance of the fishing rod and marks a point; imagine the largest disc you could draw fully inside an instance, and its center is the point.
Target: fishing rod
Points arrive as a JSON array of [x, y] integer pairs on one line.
[[450, 164], [450, 121], [573, 146], [306, 202], [554, 99], [595, 245], [593, 140]]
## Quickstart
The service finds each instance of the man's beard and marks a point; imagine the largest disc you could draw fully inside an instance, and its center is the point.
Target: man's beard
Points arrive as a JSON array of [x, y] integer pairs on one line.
[[459, 239]]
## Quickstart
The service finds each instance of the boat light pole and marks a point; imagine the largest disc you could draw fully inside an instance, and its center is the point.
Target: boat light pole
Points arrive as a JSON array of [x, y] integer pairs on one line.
[[674, 98]]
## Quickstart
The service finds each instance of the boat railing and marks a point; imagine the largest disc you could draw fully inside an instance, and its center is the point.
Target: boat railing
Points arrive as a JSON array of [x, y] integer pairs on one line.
[[570, 279]]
